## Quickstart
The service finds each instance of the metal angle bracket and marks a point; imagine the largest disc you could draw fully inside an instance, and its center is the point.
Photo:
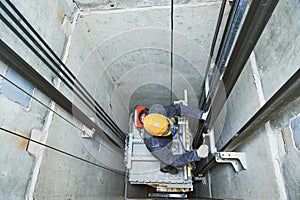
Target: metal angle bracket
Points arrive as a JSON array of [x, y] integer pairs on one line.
[[86, 132], [201, 178], [236, 159]]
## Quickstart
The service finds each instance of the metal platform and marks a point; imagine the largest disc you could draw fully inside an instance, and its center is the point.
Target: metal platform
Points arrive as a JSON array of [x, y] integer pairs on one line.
[[144, 168]]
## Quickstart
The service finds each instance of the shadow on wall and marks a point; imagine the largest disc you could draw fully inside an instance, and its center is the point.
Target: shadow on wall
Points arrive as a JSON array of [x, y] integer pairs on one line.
[[13, 93], [151, 94]]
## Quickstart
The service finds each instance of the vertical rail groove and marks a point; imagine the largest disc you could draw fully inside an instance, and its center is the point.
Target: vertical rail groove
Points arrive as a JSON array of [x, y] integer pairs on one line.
[[72, 82], [255, 22], [11, 59]]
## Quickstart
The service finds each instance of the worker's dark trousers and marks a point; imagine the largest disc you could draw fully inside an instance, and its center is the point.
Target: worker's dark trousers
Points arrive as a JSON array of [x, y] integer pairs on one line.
[[161, 147], [185, 111], [166, 156]]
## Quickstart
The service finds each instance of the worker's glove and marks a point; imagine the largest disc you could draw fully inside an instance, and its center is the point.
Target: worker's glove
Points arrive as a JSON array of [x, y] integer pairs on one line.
[[202, 151], [204, 116]]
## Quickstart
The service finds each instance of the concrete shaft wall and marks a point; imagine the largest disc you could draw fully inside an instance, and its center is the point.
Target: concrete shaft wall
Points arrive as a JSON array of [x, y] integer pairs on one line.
[[128, 51], [17, 164], [120, 51], [28, 170], [273, 151], [110, 52]]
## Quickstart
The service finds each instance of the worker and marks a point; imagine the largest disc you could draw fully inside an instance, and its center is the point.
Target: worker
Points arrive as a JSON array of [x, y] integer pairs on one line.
[[158, 131]]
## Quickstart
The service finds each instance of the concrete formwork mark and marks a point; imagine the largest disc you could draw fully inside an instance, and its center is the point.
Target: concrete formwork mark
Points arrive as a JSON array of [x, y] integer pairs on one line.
[[92, 11], [257, 79], [34, 149], [276, 146], [38, 152]]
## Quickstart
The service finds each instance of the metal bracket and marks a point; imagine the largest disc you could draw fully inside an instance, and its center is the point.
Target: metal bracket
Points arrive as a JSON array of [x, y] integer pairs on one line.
[[167, 195], [86, 132], [201, 178], [237, 159]]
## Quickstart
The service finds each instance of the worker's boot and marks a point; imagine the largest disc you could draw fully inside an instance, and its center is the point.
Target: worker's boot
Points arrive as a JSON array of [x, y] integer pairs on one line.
[[169, 169]]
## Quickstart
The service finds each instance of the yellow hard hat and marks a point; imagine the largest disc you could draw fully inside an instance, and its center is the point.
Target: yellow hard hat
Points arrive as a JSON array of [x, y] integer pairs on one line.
[[158, 125]]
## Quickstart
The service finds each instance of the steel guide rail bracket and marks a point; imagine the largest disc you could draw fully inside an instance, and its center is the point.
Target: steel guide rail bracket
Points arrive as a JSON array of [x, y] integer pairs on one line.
[[236, 159]]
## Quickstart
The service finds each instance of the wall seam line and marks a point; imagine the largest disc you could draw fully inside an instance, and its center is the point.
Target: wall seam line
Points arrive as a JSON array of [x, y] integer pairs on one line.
[[38, 153]]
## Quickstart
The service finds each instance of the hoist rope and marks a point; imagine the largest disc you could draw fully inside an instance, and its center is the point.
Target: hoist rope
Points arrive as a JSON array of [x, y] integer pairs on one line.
[[61, 151], [86, 98], [171, 49], [39, 101], [50, 109]]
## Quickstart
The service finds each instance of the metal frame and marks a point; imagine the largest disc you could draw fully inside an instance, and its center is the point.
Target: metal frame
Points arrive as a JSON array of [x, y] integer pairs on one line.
[[257, 17], [213, 78], [14, 61], [290, 90], [167, 195], [137, 158], [236, 159]]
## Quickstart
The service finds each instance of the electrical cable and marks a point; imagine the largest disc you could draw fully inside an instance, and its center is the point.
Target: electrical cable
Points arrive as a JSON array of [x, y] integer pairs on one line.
[[49, 66], [63, 152], [172, 46], [39, 101], [36, 52], [104, 116]]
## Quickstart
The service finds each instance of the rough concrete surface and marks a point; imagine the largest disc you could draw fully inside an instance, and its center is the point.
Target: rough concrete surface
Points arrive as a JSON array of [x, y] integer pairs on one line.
[[271, 154], [46, 20], [120, 51], [238, 109], [78, 179], [120, 56], [277, 51], [290, 161], [15, 163], [117, 4]]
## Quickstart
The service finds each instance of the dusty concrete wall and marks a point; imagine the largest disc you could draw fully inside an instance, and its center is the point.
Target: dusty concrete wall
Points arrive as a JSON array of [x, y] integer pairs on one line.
[[282, 37], [128, 49], [271, 151], [65, 177], [28, 170], [117, 4], [16, 163]]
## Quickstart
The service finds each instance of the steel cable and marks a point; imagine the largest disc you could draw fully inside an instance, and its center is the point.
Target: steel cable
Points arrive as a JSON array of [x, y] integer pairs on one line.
[[39, 56], [107, 121], [63, 65], [172, 46], [39, 101], [63, 152]]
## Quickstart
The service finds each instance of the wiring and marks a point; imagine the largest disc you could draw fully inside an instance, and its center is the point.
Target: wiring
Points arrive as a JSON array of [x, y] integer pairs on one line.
[[39, 101], [172, 48], [82, 93], [63, 152]]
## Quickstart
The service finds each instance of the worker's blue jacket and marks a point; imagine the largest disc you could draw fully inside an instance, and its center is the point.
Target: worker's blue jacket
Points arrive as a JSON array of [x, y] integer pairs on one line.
[[160, 147]]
